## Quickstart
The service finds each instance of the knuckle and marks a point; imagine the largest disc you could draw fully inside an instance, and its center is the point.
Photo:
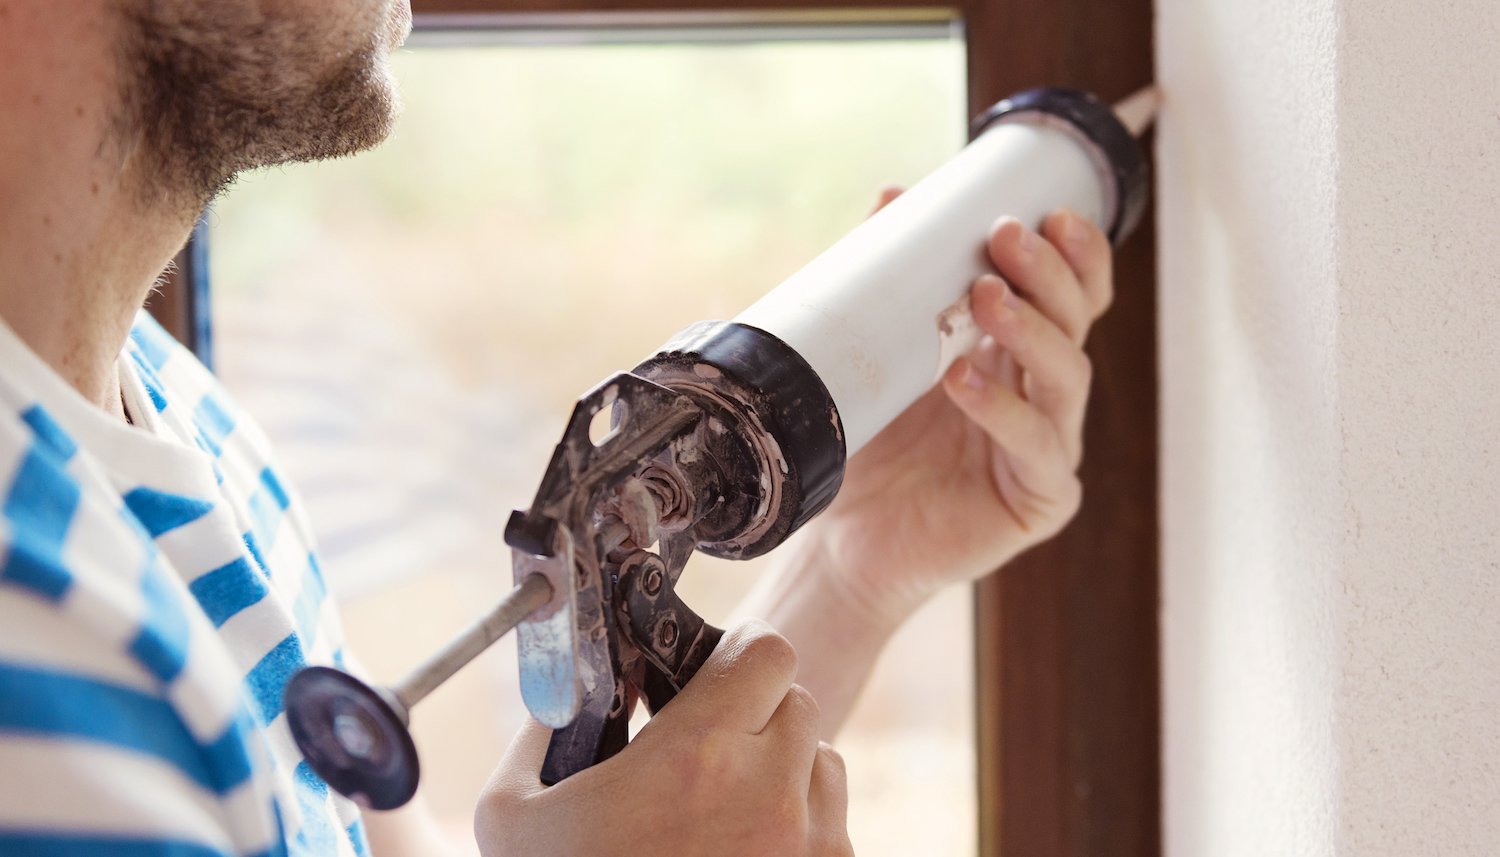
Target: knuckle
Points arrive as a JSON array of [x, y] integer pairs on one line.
[[1077, 327], [1104, 298], [1071, 500], [496, 804], [802, 706], [1084, 370], [834, 760], [1107, 290], [765, 649], [1052, 513]]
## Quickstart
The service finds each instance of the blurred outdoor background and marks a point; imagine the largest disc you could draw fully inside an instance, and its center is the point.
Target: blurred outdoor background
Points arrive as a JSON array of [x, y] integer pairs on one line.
[[411, 326]]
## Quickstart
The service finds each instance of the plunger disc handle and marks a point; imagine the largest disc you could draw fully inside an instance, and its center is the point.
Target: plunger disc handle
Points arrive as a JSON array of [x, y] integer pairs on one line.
[[353, 736]]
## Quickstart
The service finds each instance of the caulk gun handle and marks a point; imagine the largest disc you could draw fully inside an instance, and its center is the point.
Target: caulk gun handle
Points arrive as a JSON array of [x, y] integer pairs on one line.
[[661, 688], [673, 640]]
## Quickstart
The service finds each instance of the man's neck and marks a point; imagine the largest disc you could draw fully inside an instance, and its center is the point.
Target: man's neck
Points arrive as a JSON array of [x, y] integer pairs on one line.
[[86, 236]]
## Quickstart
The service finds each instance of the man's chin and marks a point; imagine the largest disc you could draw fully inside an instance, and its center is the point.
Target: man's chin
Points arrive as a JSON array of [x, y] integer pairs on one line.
[[352, 113], [399, 28], [212, 97]]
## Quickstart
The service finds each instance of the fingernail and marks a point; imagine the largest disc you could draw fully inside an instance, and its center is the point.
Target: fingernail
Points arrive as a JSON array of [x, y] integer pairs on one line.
[[1025, 242], [1008, 297], [971, 377]]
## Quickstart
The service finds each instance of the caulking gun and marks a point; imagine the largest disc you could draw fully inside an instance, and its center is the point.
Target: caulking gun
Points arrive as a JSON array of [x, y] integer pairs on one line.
[[729, 438]]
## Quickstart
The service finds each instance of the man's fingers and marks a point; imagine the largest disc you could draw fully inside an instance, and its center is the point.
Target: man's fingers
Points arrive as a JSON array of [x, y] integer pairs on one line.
[[741, 684], [1035, 268], [520, 772], [1034, 451], [793, 730], [1086, 249], [1057, 370], [830, 782], [828, 803]]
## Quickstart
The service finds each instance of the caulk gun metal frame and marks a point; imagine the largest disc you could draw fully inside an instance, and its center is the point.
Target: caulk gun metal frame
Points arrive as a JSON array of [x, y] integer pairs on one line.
[[728, 439]]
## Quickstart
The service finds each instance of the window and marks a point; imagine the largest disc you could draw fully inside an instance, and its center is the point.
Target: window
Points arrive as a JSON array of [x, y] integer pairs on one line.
[[412, 326], [1066, 637]]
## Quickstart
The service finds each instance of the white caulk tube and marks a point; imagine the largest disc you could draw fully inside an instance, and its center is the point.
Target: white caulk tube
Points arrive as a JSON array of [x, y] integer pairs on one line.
[[866, 313], [812, 371]]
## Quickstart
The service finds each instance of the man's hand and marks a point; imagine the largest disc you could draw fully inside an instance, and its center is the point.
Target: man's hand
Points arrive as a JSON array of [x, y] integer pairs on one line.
[[732, 766], [976, 471], [983, 466]]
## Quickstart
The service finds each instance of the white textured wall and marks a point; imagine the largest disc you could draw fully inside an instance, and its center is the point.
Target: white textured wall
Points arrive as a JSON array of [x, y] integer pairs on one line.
[[1330, 245]]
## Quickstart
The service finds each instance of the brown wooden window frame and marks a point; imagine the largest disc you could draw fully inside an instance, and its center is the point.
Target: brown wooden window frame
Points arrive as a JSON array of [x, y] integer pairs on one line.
[[1066, 648]]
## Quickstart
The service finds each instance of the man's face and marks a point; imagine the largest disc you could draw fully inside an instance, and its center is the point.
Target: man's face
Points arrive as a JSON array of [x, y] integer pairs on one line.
[[213, 87]]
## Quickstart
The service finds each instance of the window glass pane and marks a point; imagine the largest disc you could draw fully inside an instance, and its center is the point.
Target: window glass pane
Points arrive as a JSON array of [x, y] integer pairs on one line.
[[412, 325]]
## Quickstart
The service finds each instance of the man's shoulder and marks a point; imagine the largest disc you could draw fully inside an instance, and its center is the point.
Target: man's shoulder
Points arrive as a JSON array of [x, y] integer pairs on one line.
[[98, 648], [72, 565], [64, 622]]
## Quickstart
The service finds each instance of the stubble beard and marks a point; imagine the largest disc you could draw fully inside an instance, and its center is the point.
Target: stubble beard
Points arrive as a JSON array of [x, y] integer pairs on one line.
[[211, 90]]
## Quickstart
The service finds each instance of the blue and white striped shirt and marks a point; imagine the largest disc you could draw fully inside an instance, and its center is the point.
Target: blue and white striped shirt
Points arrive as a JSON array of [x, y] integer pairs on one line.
[[158, 587]]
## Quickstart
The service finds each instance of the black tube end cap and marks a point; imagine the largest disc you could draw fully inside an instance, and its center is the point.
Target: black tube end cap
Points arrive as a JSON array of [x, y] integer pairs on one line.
[[1097, 122]]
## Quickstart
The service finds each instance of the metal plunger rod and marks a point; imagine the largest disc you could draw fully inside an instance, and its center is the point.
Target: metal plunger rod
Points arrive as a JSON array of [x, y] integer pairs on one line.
[[532, 593]]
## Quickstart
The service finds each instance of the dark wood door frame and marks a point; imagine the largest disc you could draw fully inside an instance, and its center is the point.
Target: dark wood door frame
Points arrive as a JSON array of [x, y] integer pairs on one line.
[[1067, 653], [1066, 649]]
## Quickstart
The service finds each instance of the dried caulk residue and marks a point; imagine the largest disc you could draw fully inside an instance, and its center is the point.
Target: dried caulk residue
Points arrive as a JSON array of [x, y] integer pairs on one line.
[[958, 333]]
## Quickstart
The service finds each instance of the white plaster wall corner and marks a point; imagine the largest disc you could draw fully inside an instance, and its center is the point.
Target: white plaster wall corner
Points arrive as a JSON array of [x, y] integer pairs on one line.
[[1250, 499], [1330, 299]]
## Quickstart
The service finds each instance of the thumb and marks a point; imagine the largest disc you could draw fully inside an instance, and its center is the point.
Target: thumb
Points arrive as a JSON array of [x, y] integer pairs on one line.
[[741, 684], [520, 772]]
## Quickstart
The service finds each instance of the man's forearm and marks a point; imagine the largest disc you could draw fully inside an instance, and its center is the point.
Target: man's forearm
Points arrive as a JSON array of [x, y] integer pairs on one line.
[[838, 632]]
